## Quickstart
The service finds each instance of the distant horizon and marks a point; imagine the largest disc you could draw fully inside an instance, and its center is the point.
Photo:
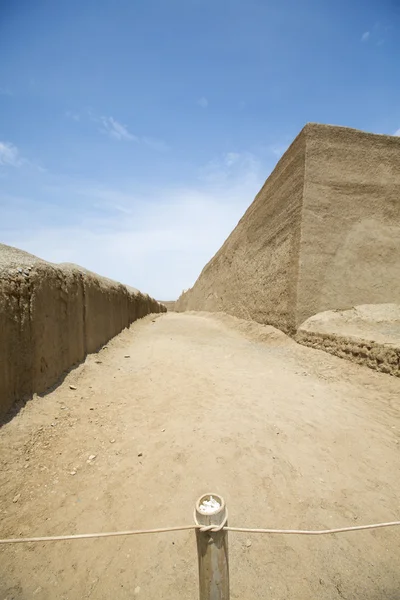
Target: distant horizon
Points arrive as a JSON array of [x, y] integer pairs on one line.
[[133, 140]]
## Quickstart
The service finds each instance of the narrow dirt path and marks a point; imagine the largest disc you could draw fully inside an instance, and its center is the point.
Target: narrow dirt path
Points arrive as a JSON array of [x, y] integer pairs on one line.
[[182, 404]]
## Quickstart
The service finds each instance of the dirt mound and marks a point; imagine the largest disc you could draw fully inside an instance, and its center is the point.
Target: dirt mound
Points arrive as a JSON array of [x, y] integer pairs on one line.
[[368, 334], [250, 329]]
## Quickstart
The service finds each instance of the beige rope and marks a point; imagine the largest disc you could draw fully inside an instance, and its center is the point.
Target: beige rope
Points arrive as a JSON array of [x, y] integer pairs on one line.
[[82, 536], [314, 532]]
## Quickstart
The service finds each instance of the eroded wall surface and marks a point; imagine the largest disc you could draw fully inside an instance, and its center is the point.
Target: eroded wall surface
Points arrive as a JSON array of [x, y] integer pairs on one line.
[[350, 240], [51, 316], [323, 233]]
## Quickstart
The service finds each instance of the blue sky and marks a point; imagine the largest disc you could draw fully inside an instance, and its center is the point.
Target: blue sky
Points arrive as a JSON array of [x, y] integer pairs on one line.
[[135, 133]]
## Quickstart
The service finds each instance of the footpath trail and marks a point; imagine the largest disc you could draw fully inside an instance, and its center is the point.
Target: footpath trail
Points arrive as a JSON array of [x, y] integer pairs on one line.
[[183, 404]]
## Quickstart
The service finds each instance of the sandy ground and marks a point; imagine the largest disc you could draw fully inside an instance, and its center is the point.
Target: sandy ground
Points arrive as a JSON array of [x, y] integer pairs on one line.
[[183, 404]]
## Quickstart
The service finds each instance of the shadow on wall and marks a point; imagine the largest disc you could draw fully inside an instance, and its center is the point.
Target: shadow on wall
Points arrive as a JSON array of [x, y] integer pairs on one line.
[[52, 316]]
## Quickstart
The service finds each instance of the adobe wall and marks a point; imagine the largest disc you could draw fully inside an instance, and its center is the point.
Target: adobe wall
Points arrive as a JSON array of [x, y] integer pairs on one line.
[[51, 316], [323, 233], [350, 239], [254, 274], [169, 304]]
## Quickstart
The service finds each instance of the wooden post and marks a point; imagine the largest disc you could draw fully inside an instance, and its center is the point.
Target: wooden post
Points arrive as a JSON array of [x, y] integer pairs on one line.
[[212, 551]]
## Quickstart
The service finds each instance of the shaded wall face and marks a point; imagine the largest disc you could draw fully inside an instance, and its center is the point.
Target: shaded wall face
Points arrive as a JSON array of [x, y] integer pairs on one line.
[[15, 360], [254, 274], [56, 323], [350, 241], [50, 318]]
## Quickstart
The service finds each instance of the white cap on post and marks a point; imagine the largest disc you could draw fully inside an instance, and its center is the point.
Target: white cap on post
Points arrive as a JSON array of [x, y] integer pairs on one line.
[[212, 548]]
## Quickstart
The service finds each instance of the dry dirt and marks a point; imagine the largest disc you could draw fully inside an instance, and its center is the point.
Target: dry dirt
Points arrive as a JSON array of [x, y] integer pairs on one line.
[[182, 404]]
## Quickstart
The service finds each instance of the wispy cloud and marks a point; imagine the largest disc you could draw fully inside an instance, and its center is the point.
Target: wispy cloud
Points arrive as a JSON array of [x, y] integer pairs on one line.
[[378, 34], [9, 155], [157, 239], [203, 102], [72, 115], [155, 144], [230, 158], [119, 131], [241, 169], [397, 132], [110, 206], [116, 130]]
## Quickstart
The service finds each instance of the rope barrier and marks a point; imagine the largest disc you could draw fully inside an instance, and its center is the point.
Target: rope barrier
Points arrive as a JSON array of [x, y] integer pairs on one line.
[[210, 528], [82, 536], [315, 531]]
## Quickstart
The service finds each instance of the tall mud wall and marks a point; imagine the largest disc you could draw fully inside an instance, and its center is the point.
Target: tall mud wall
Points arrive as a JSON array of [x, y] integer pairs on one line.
[[254, 274], [51, 316], [350, 240], [323, 233]]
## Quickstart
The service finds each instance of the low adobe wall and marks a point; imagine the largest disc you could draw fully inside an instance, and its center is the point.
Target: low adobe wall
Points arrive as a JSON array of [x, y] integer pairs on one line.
[[52, 316], [368, 335]]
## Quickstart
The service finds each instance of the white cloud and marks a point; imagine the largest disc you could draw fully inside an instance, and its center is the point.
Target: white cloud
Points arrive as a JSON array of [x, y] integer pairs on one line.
[[116, 130], [72, 115], [397, 132], [203, 102], [231, 158], [157, 240], [9, 155], [154, 143], [241, 168], [365, 36]]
